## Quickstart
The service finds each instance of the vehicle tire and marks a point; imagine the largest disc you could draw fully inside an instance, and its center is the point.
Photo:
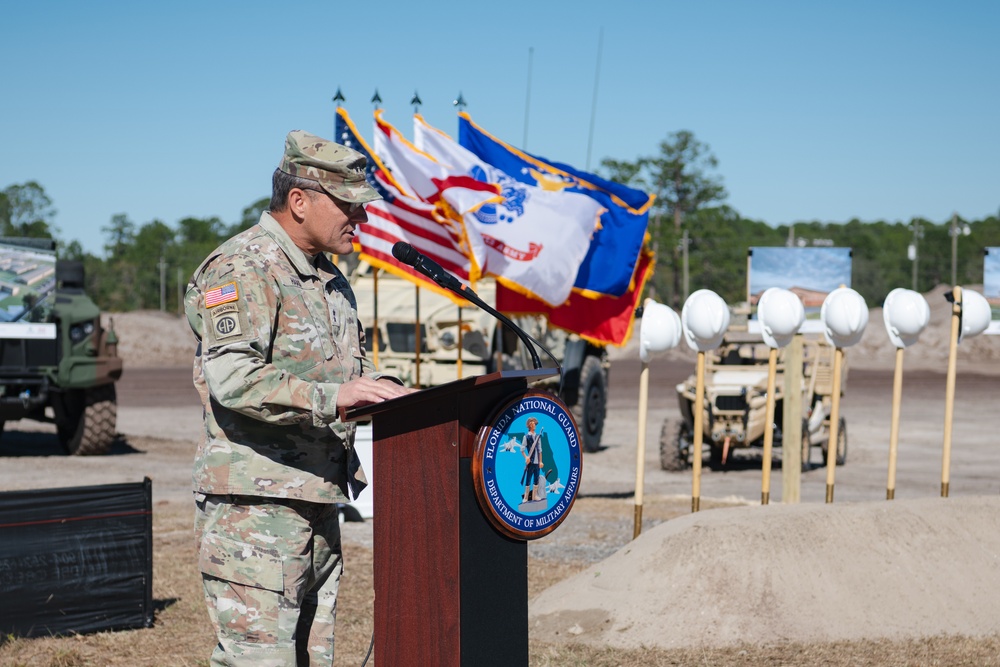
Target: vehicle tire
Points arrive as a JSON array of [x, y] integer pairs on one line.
[[841, 444], [806, 447], [87, 421], [591, 404], [715, 457], [674, 439]]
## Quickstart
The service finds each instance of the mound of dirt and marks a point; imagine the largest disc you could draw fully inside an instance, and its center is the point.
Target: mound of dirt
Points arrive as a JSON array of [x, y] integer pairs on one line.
[[930, 352], [777, 573], [152, 339]]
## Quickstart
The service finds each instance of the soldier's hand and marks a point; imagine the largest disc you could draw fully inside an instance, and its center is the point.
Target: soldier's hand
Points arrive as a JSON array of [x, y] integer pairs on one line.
[[365, 391]]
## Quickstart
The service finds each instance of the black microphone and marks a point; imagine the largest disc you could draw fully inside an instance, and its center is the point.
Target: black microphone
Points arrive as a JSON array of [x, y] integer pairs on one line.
[[408, 255]]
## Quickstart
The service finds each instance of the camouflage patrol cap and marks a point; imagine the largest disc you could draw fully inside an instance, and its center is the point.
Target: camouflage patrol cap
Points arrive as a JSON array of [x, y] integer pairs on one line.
[[338, 169]]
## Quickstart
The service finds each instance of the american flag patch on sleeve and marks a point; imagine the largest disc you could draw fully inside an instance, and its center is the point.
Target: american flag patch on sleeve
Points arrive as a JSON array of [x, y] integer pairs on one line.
[[223, 294]]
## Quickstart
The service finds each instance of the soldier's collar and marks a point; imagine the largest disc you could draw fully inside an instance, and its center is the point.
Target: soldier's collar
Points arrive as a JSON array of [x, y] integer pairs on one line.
[[302, 262]]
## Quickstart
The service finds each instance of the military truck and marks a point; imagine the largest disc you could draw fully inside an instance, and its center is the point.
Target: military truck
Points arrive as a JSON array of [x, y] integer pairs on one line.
[[735, 409], [485, 347], [58, 364]]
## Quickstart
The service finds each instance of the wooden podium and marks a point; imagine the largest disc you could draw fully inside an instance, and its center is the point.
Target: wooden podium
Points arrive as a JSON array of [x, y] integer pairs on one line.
[[449, 588]]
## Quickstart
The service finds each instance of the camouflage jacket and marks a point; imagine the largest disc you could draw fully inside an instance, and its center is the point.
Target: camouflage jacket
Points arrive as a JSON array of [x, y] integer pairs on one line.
[[278, 333]]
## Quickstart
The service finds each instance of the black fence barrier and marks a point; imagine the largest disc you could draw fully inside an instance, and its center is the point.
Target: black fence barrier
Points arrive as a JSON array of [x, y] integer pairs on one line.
[[76, 560]]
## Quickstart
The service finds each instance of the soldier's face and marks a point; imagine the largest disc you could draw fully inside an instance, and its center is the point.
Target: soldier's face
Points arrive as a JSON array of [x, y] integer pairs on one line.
[[330, 223]]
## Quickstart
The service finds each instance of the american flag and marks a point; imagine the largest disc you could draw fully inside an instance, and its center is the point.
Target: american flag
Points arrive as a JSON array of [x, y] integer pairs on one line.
[[401, 217], [223, 294]]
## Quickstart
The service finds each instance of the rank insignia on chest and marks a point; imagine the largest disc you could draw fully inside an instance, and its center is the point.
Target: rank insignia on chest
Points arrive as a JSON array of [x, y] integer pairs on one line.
[[222, 294]]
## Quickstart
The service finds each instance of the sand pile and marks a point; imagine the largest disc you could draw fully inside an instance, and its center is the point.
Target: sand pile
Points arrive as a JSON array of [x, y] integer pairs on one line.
[[789, 573], [151, 339], [931, 352]]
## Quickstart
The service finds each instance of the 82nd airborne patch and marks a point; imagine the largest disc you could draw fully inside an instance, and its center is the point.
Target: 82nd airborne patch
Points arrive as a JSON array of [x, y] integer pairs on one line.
[[226, 321], [225, 313]]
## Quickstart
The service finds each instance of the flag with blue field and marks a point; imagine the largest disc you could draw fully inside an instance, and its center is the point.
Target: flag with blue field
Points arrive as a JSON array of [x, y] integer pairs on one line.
[[609, 265]]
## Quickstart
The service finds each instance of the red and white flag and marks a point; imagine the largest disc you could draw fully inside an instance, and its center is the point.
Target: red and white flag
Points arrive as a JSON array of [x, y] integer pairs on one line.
[[399, 216], [424, 176]]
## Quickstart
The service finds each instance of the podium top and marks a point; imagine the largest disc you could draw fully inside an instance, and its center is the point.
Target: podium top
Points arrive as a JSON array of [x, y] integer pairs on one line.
[[443, 390]]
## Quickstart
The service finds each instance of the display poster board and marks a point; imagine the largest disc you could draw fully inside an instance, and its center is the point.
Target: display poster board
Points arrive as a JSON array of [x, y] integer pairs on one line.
[[76, 560], [27, 277], [810, 273], [991, 280], [991, 286]]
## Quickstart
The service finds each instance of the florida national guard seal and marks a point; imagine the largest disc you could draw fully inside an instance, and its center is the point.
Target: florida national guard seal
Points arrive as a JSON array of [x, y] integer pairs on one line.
[[526, 467]]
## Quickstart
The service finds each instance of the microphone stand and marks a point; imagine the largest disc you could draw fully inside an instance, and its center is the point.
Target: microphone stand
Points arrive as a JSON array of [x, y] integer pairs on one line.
[[406, 254], [467, 294]]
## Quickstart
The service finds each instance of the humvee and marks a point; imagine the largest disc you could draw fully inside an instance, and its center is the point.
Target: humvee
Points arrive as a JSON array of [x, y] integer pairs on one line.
[[445, 329], [58, 364], [735, 408]]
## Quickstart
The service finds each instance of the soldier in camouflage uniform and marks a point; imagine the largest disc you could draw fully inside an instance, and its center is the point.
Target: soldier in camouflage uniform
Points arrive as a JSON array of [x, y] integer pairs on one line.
[[280, 351]]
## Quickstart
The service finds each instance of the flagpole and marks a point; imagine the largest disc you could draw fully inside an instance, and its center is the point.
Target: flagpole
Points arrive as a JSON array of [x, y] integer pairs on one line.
[[498, 336], [593, 106], [416, 337], [527, 99], [375, 316]]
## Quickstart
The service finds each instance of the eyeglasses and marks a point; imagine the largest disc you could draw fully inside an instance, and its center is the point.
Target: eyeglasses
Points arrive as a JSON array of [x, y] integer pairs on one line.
[[347, 206]]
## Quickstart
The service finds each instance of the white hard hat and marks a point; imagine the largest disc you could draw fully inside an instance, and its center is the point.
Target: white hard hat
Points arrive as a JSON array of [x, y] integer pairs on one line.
[[905, 313], [976, 314], [705, 317], [845, 316], [659, 331], [781, 314]]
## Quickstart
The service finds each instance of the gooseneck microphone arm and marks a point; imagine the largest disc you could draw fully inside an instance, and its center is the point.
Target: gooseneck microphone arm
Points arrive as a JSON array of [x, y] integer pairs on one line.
[[529, 342], [406, 254]]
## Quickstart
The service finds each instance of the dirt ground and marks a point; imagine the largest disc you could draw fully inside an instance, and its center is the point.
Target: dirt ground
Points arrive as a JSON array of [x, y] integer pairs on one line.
[[788, 579]]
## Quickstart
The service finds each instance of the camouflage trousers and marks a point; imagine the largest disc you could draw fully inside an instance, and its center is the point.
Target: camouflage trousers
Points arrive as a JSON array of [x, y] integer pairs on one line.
[[270, 570]]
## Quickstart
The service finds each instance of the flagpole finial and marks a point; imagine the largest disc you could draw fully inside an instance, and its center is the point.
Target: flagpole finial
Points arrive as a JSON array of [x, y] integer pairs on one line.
[[339, 97], [376, 100], [416, 102], [459, 101]]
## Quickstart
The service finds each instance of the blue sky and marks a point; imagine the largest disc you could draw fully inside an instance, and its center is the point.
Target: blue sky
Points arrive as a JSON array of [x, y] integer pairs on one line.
[[815, 111]]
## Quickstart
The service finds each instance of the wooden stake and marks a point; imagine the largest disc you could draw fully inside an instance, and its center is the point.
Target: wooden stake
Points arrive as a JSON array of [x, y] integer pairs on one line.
[[699, 425], [831, 447], [640, 448], [791, 429], [897, 397], [765, 484], [949, 396]]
